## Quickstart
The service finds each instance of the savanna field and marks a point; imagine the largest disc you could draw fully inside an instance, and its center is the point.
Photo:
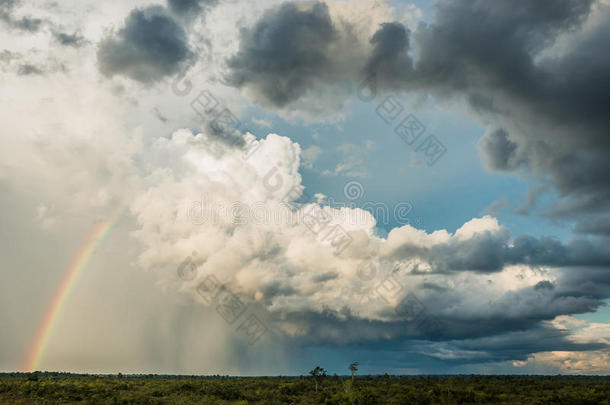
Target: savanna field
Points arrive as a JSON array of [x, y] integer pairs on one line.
[[56, 388]]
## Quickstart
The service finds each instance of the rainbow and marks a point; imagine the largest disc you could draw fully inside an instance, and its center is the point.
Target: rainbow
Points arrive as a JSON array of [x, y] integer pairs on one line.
[[79, 262]]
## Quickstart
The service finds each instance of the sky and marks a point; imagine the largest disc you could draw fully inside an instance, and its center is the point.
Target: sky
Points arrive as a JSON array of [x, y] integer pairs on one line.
[[259, 188]]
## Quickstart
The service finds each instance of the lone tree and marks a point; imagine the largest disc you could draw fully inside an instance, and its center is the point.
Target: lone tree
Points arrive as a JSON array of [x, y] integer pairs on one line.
[[353, 368], [317, 374]]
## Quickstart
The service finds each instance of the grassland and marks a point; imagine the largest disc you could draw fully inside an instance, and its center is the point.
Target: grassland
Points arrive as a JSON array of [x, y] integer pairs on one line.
[[59, 388]]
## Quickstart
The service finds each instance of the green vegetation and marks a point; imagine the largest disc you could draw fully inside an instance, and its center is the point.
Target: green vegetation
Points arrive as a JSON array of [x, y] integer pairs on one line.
[[58, 388], [318, 375]]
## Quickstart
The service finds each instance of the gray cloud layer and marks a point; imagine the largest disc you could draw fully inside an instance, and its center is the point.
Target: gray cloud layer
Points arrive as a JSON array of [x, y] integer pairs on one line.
[[151, 46], [190, 8], [493, 251]]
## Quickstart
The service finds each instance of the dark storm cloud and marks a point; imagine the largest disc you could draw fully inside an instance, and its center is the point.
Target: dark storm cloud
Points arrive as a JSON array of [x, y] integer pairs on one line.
[[550, 109], [454, 328], [513, 311], [522, 310], [226, 134], [483, 252], [284, 53], [504, 347], [508, 326], [389, 60], [489, 252], [343, 328], [190, 8], [447, 311], [498, 150], [597, 226], [151, 46], [583, 282], [544, 284], [515, 346], [474, 43]]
